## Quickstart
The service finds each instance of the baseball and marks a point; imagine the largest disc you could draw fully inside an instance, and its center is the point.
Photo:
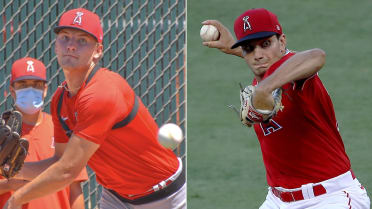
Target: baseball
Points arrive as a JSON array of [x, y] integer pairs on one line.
[[170, 135], [209, 33]]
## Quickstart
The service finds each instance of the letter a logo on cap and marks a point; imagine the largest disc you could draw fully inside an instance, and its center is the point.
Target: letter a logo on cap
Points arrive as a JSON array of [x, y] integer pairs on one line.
[[247, 25], [30, 66], [77, 19]]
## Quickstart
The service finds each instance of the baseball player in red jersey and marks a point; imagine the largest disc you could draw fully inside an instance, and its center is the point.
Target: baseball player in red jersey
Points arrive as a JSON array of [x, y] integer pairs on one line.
[[28, 88], [304, 156], [103, 123]]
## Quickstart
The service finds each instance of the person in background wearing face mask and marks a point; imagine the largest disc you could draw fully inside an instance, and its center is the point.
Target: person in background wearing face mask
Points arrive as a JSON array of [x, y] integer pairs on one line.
[[28, 88]]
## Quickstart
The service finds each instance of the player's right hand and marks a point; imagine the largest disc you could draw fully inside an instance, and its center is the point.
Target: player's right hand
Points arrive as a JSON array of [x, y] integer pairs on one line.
[[225, 41]]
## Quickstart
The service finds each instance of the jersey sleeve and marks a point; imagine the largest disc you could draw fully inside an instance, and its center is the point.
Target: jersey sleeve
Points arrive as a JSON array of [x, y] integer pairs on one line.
[[301, 84], [98, 109], [59, 133], [310, 89]]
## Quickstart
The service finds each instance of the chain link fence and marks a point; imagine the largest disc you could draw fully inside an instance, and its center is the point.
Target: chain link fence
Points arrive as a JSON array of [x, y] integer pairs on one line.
[[144, 41]]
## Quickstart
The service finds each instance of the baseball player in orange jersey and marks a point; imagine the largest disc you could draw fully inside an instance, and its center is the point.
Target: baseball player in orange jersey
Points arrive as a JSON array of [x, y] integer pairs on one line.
[[304, 156], [28, 88], [103, 123]]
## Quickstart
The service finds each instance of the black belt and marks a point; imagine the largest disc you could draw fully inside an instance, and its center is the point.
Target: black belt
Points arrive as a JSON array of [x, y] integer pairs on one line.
[[157, 195]]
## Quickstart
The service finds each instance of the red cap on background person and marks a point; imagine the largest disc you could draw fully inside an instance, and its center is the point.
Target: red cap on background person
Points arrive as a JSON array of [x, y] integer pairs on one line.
[[254, 24], [28, 98], [81, 19], [28, 68]]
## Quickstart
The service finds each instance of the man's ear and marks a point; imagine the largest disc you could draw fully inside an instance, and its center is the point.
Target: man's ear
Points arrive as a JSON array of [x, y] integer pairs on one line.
[[99, 51], [282, 42]]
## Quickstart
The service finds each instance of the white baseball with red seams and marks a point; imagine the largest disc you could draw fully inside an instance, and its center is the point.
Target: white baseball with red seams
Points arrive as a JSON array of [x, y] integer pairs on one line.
[[209, 33], [170, 135]]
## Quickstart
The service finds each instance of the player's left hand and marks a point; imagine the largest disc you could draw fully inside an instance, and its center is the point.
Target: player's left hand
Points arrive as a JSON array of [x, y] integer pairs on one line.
[[257, 106], [262, 100]]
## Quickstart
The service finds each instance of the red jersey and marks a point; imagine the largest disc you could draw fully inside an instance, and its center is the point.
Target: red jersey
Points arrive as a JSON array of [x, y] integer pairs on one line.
[[302, 143], [130, 159], [41, 147]]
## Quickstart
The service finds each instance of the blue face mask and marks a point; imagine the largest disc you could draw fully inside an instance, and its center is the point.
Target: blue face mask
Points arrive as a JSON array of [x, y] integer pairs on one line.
[[29, 100]]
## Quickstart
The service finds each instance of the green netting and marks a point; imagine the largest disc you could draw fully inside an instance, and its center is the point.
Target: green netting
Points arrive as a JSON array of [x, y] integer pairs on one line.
[[144, 41]]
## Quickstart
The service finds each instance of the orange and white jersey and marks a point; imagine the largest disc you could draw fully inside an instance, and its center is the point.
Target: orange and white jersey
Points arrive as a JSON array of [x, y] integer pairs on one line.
[[130, 159]]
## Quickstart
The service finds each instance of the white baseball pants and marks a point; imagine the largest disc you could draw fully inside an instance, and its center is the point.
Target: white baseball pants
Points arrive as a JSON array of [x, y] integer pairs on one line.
[[343, 192]]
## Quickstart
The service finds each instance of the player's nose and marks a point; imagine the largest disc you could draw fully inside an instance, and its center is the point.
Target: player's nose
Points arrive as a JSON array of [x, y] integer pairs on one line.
[[71, 47], [258, 53]]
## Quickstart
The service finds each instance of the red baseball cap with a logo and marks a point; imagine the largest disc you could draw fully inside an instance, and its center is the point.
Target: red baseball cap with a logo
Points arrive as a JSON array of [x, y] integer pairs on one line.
[[81, 19], [28, 68], [254, 24]]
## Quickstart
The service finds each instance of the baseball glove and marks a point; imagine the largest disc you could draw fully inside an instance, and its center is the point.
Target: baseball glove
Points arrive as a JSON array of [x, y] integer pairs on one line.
[[13, 149], [249, 114]]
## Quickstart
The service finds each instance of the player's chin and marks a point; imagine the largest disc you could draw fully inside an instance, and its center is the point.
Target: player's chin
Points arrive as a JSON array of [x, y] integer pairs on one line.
[[68, 63], [259, 71]]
